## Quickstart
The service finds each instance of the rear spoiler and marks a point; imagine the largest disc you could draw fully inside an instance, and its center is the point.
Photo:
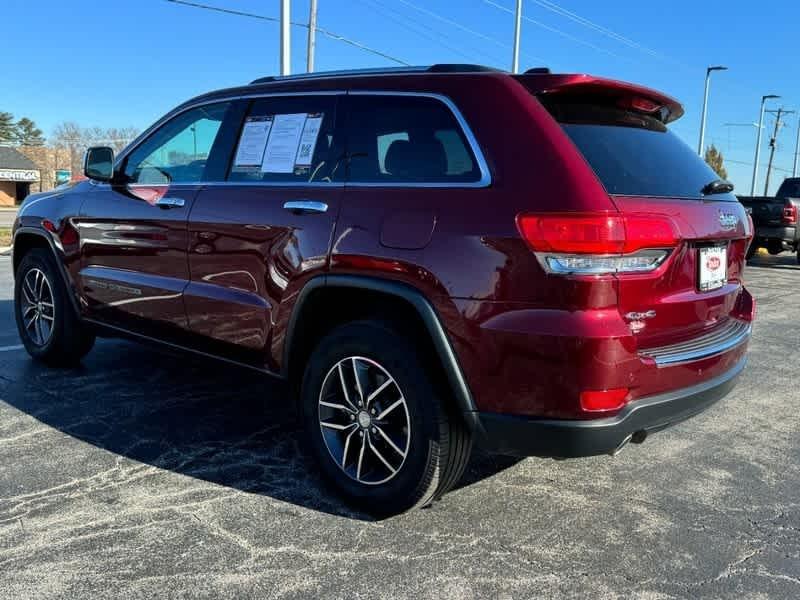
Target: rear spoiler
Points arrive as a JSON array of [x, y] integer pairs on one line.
[[629, 95]]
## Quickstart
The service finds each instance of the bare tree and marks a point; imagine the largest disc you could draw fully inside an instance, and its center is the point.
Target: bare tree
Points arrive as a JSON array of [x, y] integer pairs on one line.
[[77, 139]]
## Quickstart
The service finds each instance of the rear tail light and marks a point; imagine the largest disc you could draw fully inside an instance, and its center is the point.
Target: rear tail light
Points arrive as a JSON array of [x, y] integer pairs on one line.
[[789, 214], [598, 243], [603, 400]]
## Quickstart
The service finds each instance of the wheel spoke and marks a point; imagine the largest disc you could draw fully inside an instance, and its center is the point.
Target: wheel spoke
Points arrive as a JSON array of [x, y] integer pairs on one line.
[[39, 332], [336, 406], [30, 286], [391, 408], [27, 294], [337, 426], [47, 304], [382, 387], [358, 381], [31, 321], [344, 388], [27, 311], [380, 456], [41, 280], [361, 457], [346, 447], [46, 317], [389, 441]]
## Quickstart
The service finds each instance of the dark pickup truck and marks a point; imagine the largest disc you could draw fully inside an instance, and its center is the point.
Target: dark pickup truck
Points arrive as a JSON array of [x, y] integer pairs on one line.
[[775, 219]]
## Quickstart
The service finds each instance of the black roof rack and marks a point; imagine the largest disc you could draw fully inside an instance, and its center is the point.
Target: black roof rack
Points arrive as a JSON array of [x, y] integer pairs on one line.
[[537, 71], [438, 68]]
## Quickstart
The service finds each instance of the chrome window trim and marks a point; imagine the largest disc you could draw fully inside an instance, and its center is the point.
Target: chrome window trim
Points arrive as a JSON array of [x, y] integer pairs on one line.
[[485, 179]]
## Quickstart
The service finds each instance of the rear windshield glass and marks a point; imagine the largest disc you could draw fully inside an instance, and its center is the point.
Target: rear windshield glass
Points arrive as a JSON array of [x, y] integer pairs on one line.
[[635, 154], [789, 189]]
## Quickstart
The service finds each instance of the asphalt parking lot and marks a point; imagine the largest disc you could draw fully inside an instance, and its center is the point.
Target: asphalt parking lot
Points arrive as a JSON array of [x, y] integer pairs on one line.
[[149, 474]]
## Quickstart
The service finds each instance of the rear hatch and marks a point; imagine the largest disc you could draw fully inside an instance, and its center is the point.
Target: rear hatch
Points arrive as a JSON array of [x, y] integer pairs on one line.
[[660, 186]]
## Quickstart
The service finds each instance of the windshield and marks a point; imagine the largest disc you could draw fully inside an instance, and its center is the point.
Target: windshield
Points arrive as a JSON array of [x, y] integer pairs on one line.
[[635, 154]]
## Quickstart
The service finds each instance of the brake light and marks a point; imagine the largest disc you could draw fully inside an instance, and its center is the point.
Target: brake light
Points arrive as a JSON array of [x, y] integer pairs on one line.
[[789, 214], [598, 243], [603, 400]]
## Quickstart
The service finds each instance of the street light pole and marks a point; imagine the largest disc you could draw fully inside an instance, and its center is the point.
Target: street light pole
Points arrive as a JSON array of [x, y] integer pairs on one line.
[[312, 36], [758, 141], [286, 61], [517, 30], [705, 107]]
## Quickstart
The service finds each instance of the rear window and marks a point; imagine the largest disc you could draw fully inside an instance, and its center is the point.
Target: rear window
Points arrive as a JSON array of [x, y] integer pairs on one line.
[[789, 189], [635, 154]]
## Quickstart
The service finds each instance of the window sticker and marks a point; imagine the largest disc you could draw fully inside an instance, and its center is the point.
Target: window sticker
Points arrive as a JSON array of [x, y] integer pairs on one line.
[[253, 142], [283, 143], [308, 139]]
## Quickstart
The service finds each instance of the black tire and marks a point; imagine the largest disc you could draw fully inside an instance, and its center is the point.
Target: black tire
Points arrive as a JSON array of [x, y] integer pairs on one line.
[[798, 255], [437, 447], [774, 247], [68, 340]]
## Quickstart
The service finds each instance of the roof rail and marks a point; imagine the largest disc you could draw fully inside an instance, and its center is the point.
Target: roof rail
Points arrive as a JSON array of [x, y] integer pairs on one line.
[[537, 71], [438, 68]]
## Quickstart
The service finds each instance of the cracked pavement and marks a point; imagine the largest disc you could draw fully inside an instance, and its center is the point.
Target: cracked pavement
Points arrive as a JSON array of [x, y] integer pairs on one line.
[[154, 474]]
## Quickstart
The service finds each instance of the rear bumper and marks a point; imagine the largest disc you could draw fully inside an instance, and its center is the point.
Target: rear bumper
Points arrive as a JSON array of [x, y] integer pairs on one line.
[[787, 234], [525, 436]]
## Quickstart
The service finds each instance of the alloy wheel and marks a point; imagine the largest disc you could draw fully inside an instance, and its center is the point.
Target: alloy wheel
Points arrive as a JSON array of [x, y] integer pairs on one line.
[[364, 420], [37, 306]]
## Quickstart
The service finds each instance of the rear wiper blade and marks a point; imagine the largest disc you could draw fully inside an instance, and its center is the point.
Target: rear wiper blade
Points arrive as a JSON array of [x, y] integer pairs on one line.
[[718, 186]]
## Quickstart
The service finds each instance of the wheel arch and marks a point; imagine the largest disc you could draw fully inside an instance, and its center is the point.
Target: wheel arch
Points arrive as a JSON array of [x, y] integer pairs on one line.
[[308, 323], [28, 238]]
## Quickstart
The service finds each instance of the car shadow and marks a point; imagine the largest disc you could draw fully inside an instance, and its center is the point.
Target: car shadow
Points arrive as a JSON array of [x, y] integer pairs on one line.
[[193, 416], [784, 261]]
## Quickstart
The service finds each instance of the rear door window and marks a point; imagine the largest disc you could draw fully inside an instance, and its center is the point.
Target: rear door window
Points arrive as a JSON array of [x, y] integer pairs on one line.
[[406, 139], [635, 154]]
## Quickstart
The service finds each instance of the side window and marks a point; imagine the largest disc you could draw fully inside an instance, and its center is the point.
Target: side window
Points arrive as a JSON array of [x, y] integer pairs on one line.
[[178, 151], [406, 139], [288, 140]]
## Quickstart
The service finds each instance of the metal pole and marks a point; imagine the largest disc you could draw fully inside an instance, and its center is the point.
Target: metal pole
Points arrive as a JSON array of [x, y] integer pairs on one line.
[[286, 60], [796, 150], [758, 149], [312, 36], [517, 29], [772, 143], [703, 114]]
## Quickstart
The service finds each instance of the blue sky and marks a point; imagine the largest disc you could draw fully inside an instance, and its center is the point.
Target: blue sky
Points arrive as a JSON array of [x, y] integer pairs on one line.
[[126, 62]]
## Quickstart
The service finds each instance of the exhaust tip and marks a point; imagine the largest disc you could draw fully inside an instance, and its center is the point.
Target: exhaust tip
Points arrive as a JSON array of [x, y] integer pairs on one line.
[[639, 436]]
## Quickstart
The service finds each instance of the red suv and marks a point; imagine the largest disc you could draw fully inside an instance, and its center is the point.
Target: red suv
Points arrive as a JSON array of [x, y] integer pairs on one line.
[[430, 256]]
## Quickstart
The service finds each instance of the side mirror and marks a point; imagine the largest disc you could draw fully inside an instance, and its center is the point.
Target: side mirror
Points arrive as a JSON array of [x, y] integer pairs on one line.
[[98, 164]]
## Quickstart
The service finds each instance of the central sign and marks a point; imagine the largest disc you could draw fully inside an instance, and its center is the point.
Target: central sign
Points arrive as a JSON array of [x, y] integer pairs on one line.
[[19, 175]]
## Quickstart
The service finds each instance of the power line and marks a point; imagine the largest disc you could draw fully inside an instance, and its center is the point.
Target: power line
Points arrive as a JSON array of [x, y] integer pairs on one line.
[[406, 22], [557, 31], [553, 7], [465, 29], [320, 30]]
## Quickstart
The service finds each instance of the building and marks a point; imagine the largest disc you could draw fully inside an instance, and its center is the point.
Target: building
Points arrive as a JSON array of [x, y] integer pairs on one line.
[[17, 173]]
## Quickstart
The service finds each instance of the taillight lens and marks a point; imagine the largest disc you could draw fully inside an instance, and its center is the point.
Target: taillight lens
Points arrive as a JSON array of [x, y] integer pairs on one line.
[[598, 243], [789, 214]]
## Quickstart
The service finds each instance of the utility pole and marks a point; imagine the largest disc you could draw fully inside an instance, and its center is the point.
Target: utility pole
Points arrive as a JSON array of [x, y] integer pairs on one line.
[[286, 45], [517, 30], [773, 142], [796, 150], [312, 36], [758, 141]]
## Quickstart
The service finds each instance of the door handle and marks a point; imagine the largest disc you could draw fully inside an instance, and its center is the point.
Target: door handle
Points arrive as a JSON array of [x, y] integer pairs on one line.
[[167, 202], [302, 207]]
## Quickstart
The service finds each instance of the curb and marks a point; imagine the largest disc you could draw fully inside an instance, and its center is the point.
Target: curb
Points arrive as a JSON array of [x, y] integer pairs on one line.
[[5, 250]]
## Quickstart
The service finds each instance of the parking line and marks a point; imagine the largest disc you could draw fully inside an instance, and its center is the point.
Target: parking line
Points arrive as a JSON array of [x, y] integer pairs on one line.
[[10, 348]]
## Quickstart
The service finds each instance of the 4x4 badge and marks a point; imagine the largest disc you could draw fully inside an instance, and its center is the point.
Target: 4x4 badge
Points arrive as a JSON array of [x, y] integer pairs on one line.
[[728, 221]]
